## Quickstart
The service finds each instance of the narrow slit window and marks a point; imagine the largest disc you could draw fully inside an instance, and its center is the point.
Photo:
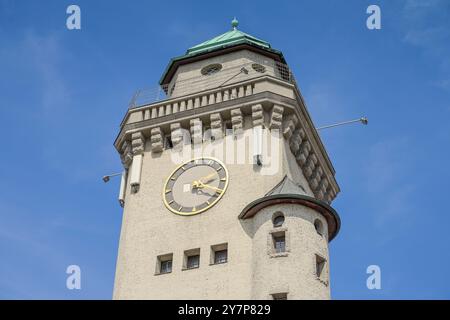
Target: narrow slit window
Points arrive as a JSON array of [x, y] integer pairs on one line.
[[318, 225], [279, 242], [320, 266]]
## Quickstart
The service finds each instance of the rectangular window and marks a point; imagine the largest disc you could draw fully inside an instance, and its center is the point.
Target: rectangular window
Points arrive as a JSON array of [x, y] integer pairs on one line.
[[191, 259], [279, 243], [166, 266], [193, 262], [220, 256], [164, 263], [219, 253], [279, 296]]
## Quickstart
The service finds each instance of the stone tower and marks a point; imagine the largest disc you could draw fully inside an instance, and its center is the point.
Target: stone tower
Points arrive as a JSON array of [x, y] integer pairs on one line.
[[227, 186]]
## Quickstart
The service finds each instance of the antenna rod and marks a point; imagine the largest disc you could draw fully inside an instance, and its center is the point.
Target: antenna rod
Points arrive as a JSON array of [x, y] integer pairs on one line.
[[363, 120], [243, 69]]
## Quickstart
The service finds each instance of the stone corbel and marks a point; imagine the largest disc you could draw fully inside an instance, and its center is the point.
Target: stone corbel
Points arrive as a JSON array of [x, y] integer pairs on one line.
[[322, 188], [257, 115], [137, 143], [333, 194], [329, 194], [303, 153], [126, 156], [237, 121], [176, 135], [316, 178], [216, 126], [310, 165], [196, 131], [276, 118], [289, 125], [157, 140], [296, 140]]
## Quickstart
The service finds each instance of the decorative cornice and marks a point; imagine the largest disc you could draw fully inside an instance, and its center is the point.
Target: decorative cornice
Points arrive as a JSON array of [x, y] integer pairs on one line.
[[265, 108]]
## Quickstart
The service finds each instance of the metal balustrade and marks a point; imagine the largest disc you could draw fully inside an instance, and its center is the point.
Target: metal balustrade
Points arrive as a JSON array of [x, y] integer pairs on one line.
[[237, 73]]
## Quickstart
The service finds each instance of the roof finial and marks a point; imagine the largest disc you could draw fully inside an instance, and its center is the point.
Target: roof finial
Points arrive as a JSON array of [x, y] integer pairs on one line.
[[234, 23]]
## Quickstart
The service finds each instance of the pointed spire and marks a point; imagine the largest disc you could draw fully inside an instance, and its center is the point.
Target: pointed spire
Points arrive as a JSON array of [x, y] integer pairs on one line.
[[234, 23], [287, 186]]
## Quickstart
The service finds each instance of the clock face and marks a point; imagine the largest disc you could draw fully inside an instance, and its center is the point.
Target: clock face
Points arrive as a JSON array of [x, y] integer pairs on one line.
[[195, 186]]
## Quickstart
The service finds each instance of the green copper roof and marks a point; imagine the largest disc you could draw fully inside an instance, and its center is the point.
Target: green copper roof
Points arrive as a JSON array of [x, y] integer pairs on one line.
[[228, 38], [232, 38]]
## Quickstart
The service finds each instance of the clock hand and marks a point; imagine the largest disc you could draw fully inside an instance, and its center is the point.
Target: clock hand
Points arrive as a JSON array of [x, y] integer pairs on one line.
[[202, 185], [208, 178]]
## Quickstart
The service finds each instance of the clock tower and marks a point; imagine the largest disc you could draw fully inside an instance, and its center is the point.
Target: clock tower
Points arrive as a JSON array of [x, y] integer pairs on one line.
[[227, 187]]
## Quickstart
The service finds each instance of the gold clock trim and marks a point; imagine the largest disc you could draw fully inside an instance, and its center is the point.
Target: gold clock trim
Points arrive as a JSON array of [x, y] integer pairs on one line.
[[211, 204]]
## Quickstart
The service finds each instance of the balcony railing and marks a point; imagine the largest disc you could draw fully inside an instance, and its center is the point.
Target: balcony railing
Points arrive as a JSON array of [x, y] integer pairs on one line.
[[209, 97], [224, 78]]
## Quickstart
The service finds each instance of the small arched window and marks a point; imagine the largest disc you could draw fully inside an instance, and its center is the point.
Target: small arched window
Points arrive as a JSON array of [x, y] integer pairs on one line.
[[211, 69], [318, 225], [258, 68], [278, 219]]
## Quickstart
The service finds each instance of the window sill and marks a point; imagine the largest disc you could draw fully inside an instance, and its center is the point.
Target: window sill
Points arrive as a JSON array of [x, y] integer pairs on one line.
[[214, 264], [278, 229], [193, 268], [278, 255], [162, 273]]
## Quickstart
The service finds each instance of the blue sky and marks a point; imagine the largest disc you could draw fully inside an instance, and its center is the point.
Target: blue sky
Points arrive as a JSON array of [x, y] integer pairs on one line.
[[63, 94]]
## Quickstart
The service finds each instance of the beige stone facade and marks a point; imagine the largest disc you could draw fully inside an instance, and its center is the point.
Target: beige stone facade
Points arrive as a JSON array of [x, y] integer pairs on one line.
[[243, 220]]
